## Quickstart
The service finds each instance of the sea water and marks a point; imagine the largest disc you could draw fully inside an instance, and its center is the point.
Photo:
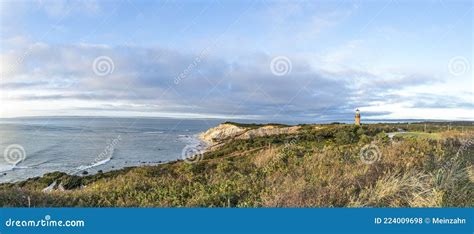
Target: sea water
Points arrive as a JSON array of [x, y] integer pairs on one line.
[[31, 147]]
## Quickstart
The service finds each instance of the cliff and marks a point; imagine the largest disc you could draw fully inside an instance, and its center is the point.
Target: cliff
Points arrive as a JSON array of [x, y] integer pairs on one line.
[[228, 131], [331, 165]]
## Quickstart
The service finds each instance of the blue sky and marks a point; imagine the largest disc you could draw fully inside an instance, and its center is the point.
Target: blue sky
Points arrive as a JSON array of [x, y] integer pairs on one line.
[[391, 59]]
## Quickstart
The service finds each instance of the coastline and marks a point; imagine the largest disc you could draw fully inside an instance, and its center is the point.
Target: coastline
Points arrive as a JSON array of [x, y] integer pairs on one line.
[[268, 170], [193, 143]]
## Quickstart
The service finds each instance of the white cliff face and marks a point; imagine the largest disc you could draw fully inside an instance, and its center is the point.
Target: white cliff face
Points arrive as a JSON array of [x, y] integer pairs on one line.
[[220, 133], [224, 132], [268, 131]]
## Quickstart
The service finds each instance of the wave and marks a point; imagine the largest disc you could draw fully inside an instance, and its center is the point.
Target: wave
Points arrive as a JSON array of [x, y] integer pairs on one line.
[[154, 132], [193, 142], [42, 163], [22, 167], [98, 161], [11, 167], [5, 168], [95, 164]]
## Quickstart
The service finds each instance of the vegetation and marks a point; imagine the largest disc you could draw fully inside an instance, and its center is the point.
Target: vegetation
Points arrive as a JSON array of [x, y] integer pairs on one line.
[[254, 125], [334, 165]]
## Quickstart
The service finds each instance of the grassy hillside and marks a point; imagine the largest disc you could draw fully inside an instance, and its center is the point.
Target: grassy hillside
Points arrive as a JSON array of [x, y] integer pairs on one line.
[[254, 125], [334, 166]]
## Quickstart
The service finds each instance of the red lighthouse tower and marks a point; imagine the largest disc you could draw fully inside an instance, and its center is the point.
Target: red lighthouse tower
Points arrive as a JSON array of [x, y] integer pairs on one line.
[[357, 118]]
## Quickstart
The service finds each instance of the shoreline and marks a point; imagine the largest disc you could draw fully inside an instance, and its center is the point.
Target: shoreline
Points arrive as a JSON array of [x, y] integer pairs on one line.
[[194, 142], [199, 143], [261, 170]]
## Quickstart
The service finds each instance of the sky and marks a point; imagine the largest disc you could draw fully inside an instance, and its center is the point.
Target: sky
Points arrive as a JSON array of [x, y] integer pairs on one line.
[[259, 59]]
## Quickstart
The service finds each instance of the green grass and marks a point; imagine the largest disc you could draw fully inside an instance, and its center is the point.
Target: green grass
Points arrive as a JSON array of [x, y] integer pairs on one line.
[[254, 125], [424, 135], [317, 167]]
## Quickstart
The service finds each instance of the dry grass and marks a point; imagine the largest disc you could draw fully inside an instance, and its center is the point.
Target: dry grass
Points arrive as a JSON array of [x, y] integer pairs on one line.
[[265, 155], [310, 170], [409, 189]]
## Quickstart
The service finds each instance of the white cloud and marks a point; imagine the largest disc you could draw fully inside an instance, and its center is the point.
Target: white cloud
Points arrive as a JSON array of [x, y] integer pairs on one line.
[[60, 79]]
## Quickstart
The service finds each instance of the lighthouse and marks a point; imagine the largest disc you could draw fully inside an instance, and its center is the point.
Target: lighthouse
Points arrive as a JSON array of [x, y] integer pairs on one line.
[[357, 118]]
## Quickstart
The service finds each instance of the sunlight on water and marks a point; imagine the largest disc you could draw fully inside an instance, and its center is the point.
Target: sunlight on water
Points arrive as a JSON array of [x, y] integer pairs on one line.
[[75, 145]]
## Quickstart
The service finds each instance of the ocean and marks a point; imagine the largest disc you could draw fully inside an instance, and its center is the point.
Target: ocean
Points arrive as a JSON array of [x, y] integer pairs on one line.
[[32, 147]]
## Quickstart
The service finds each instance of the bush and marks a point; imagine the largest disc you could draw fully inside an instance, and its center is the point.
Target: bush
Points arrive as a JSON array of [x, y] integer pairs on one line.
[[317, 167]]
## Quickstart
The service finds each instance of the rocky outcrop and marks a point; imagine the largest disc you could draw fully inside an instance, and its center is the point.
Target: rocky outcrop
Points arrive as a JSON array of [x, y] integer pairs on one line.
[[268, 131], [221, 133], [224, 132]]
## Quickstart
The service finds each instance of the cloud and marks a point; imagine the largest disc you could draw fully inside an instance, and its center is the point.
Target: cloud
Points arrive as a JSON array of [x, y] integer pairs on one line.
[[169, 82], [147, 76]]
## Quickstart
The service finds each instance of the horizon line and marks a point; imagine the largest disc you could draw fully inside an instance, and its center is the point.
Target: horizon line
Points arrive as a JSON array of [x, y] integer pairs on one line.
[[372, 120]]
